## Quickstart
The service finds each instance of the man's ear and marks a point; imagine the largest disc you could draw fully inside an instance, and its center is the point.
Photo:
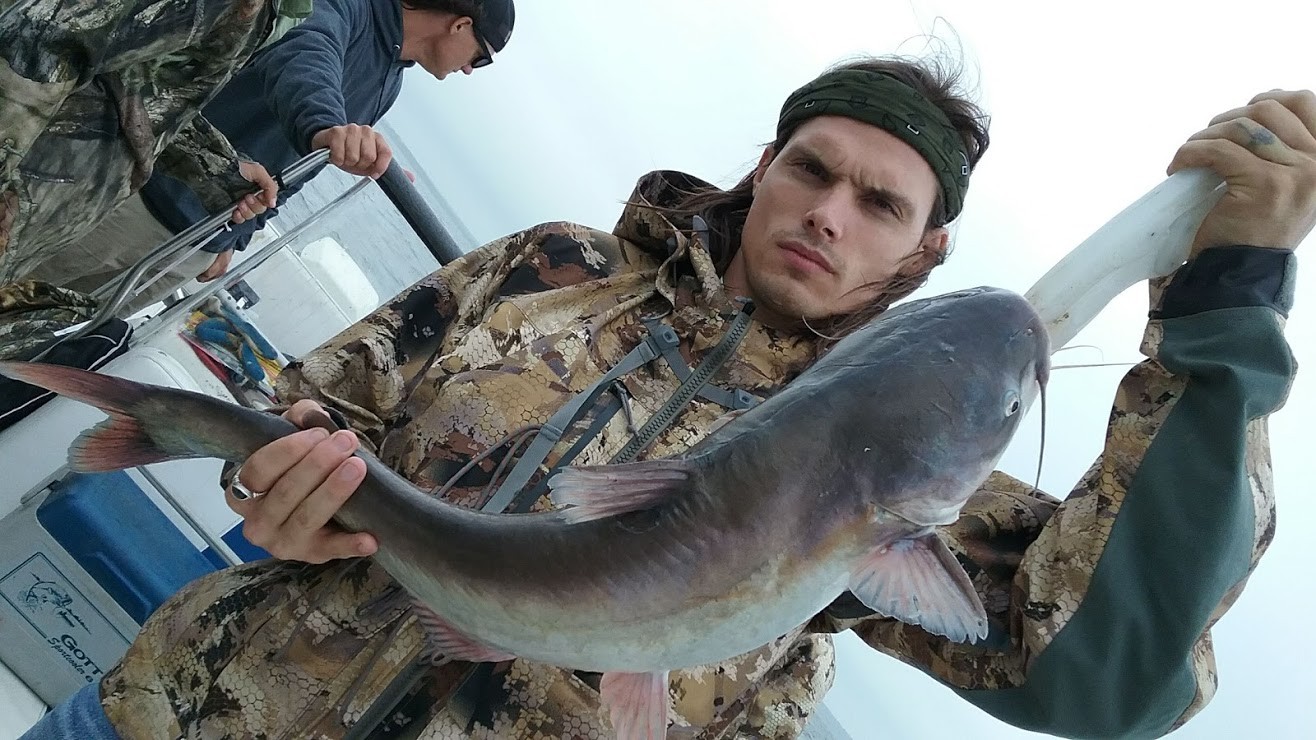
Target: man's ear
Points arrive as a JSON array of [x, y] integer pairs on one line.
[[459, 24], [931, 252], [764, 160]]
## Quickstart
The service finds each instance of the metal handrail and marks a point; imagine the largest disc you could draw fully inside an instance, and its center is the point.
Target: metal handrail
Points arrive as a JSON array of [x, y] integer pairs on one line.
[[212, 226], [249, 264], [295, 173], [394, 183]]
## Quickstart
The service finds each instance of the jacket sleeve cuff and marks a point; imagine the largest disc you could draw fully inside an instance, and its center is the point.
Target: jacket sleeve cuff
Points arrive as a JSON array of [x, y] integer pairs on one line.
[[313, 123], [1231, 277]]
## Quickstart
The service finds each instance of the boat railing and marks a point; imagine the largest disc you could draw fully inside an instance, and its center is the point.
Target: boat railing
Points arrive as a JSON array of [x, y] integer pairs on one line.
[[118, 293]]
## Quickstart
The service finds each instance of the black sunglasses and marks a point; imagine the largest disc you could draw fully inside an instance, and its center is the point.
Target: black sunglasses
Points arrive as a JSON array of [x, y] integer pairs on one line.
[[485, 57], [492, 28]]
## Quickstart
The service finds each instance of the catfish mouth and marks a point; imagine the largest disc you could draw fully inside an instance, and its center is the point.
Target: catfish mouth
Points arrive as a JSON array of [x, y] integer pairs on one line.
[[1041, 374], [1035, 332]]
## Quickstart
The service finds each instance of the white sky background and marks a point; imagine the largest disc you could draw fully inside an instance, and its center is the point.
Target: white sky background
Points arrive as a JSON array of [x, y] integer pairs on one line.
[[1088, 108]]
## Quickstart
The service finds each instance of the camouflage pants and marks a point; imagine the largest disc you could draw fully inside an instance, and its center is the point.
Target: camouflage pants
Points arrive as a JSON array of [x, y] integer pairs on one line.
[[95, 93]]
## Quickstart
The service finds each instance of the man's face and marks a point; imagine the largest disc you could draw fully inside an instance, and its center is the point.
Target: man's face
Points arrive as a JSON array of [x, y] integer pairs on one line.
[[836, 214], [451, 47]]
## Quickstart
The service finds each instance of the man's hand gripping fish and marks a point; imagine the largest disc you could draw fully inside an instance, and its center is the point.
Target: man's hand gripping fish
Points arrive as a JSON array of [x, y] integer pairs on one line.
[[836, 483]]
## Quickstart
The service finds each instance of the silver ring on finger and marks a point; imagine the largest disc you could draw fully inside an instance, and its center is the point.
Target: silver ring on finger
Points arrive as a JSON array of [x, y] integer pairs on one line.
[[241, 492]]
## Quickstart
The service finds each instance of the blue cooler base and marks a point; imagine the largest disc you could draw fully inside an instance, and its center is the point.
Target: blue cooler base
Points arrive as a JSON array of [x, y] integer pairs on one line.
[[109, 526]]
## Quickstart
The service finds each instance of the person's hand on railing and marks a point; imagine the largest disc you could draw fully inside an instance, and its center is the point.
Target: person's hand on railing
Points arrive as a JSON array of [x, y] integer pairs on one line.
[[358, 150], [257, 203]]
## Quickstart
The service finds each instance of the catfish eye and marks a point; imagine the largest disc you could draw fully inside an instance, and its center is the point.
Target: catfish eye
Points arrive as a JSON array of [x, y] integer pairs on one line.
[[1012, 404]]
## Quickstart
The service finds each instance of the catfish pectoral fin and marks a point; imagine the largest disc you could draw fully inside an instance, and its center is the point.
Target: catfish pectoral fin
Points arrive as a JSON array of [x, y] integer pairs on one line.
[[919, 581]]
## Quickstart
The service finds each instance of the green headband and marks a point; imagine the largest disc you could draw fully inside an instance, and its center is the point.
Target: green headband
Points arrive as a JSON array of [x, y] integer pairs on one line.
[[881, 100]]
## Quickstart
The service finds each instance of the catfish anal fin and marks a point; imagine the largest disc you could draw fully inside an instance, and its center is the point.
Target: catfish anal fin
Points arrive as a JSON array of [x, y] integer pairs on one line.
[[447, 642], [636, 704]]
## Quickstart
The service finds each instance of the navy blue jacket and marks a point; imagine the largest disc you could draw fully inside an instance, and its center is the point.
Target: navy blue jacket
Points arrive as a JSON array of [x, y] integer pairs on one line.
[[341, 65]]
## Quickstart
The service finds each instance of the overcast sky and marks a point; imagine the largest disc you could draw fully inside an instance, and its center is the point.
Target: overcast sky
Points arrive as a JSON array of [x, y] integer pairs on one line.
[[1088, 108]]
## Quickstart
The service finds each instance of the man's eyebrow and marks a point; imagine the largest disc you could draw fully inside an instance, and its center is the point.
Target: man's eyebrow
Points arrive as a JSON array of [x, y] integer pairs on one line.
[[820, 152], [904, 207]]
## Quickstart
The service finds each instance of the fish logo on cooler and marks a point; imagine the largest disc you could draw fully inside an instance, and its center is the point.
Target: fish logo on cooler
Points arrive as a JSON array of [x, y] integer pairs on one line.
[[47, 596]]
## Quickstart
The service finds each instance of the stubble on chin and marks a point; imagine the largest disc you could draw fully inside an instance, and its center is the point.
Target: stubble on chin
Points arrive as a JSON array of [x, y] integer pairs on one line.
[[784, 300]]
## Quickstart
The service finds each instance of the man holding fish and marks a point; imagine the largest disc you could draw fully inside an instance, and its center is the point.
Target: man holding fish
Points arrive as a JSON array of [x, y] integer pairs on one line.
[[563, 348]]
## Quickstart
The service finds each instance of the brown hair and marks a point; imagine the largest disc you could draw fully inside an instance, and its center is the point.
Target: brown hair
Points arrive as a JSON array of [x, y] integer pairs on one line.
[[725, 210]]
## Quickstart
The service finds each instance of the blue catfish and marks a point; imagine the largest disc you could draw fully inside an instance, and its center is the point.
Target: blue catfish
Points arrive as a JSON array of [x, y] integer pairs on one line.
[[836, 483]]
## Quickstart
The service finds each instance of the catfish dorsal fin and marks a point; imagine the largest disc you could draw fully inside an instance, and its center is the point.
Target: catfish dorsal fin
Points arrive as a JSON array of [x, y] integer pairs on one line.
[[599, 491], [919, 581], [636, 704]]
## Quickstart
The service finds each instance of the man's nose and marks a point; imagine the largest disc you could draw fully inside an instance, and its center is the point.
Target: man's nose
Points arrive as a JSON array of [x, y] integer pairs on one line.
[[824, 219]]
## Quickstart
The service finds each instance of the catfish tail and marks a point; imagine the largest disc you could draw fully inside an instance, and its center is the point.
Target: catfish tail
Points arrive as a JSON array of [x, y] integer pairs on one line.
[[148, 423]]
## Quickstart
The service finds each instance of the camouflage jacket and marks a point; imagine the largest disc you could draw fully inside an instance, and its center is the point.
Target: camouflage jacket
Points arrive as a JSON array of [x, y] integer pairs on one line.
[[94, 94], [31, 312], [504, 336]]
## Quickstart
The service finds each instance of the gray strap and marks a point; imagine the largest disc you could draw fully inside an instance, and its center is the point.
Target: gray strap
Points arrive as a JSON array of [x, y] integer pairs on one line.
[[558, 423], [525, 498], [663, 341], [387, 701], [663, 418], [735, 399]]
